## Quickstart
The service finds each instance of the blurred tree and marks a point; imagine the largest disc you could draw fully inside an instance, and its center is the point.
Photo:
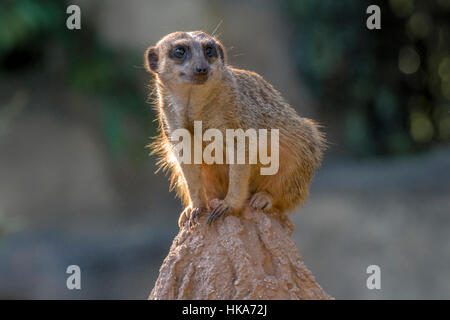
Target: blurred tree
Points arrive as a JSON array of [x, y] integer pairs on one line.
[[387, 90], [34, 37]]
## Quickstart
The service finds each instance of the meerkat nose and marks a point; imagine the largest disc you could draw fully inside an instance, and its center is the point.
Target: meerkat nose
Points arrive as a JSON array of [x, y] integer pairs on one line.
[[203, 69]]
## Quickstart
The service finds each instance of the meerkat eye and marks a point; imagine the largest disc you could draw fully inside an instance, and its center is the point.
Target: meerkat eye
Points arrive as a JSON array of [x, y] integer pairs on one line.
[[209, 51], [179, 52]]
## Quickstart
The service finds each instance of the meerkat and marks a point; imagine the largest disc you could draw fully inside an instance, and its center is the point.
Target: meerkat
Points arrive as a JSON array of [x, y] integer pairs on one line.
[[193, 82]]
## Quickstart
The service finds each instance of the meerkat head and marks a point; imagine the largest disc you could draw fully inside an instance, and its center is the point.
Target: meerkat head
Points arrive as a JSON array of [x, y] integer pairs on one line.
[[186, 58]]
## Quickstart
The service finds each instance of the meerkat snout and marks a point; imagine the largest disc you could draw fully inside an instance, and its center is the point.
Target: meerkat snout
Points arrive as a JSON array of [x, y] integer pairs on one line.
[[201, 70], [200, 74]]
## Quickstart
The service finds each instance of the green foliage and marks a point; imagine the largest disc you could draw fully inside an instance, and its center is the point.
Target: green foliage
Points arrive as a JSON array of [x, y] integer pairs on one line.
[[382, 87], [22, 20], [33, 32]]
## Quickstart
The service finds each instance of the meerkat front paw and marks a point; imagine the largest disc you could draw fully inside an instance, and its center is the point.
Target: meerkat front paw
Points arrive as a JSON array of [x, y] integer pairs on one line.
[[261, 200], [190, 214], [220, 209]]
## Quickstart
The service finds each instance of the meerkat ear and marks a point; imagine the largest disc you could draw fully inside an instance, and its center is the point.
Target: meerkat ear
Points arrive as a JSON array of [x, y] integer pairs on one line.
[[222, 52], [151, 59]]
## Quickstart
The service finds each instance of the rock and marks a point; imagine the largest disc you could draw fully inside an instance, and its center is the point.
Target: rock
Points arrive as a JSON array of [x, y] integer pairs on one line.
[[251, 256]]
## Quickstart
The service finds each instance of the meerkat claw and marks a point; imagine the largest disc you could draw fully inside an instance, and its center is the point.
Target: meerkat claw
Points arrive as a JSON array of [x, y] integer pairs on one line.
[[190, 215], [220, 211], [195, 216], [261, 200]]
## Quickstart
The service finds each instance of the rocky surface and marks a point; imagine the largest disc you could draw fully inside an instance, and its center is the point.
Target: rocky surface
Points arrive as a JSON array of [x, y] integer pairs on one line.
[[251, 256]]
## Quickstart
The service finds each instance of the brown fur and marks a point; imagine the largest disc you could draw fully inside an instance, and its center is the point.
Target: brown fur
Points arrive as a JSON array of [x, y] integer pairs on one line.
[[229, 99]]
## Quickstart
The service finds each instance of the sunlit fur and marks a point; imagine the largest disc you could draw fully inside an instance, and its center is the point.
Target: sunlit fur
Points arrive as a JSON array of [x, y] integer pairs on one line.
[[230, 99]]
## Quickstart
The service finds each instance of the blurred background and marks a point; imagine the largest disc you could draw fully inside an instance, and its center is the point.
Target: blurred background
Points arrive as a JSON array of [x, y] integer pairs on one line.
[[77, 185]]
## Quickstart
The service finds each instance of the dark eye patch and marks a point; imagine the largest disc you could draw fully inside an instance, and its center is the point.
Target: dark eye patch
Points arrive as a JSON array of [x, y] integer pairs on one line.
[[210, 50], [179, 52]]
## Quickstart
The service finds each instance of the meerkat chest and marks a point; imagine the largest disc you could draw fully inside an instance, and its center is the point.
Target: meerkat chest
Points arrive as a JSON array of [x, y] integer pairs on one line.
[[181, 112], [175, 113]]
